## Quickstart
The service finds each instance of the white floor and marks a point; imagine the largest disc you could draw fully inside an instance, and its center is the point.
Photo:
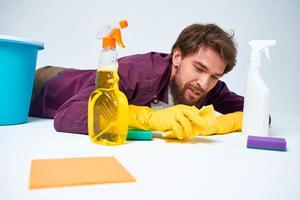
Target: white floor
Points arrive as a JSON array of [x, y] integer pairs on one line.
[[216, 167]]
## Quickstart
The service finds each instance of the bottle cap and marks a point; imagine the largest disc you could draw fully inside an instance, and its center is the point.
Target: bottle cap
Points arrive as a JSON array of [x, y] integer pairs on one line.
[[109, 42]]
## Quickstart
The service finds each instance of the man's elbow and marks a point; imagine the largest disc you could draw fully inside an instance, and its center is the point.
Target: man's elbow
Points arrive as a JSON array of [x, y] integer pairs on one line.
[[60, 126]]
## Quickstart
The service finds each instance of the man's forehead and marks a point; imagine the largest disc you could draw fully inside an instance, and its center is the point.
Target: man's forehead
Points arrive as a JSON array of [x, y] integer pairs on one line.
[[208, 57]]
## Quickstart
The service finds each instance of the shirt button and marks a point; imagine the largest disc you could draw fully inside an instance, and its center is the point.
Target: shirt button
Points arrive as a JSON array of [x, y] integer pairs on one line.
[[155, 100]]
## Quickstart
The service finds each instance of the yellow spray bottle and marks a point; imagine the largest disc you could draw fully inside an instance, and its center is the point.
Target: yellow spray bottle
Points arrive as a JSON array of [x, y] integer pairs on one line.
[[108, 106]]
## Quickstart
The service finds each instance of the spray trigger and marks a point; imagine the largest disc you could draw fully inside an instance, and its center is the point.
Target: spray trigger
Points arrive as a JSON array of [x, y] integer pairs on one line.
[[116, 33], [111, 34], [267, 53]]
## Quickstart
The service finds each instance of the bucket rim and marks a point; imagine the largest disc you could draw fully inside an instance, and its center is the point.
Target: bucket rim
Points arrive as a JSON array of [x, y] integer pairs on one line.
[[20, 40]]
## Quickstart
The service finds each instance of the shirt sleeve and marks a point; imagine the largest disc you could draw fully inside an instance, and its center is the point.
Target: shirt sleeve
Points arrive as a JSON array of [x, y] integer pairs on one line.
[[72, 115], [135, 79], [224, 100]]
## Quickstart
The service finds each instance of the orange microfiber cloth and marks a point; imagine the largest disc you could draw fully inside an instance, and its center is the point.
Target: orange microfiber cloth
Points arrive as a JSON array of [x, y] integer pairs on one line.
[[77, 171]]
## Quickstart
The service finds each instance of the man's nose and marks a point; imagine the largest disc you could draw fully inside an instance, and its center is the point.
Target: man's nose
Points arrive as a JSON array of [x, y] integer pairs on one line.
[[204, 82]]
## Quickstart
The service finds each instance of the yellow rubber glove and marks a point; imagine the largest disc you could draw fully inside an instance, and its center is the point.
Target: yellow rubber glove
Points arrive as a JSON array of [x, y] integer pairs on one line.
[[227, 123], [178, 121]]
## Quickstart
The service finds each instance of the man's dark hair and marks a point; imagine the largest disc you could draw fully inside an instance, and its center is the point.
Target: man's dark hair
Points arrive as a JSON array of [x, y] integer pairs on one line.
[[207, 35]]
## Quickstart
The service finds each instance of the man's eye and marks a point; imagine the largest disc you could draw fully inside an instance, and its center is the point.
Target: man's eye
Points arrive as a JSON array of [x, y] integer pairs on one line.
[[199, 69]]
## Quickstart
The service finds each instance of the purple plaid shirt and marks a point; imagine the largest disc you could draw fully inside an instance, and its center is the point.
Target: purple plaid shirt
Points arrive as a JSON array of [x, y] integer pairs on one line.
[[144, 79]]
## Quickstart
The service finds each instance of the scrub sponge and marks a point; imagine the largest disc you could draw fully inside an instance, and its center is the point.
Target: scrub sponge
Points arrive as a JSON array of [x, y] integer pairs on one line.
[[139, 135], [269, 143]]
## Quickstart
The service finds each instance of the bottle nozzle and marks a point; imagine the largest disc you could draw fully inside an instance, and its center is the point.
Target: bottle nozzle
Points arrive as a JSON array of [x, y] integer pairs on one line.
[[123, 23], [260, 46], [114, 33]]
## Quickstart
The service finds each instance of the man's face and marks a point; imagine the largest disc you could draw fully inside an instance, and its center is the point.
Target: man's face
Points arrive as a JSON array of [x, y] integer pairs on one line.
[[195, 75]]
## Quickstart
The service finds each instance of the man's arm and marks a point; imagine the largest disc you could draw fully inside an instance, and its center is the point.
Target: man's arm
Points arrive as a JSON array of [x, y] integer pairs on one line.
[[72, 115], [224, 100]]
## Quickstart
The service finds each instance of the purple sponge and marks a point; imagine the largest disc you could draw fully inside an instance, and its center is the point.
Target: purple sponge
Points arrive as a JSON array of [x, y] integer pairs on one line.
[[269, 143]]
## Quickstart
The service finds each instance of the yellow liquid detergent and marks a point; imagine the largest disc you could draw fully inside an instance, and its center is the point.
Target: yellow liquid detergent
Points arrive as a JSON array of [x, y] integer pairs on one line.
[[107, 110]]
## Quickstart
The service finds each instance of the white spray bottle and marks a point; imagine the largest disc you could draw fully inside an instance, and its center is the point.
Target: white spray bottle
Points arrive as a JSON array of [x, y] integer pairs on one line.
[[257, 95]]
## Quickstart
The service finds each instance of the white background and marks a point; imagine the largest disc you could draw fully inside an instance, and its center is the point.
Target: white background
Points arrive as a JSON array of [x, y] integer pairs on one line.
[[68, 29]]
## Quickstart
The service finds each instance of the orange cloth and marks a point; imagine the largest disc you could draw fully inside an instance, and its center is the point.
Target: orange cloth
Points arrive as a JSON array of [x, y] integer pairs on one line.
[[77, 171]]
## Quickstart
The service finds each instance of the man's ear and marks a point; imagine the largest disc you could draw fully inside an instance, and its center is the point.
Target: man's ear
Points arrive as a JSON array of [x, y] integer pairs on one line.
[[176, 58]]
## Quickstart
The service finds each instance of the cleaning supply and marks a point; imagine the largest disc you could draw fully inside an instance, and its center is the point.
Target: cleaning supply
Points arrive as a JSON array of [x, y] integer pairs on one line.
[[17, 61], [269, 143], [108, 106], [227, 123], [176, 121], [180, 121], [256, 104], [184, 122], [134, 134], [47, 173]]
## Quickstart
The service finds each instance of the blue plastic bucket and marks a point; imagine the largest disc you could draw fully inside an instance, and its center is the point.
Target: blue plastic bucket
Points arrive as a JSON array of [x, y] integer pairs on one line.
[[17, 68]]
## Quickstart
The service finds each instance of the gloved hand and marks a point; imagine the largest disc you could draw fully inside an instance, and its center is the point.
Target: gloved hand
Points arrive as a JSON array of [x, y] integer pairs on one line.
[[178, 121], [225, 124]]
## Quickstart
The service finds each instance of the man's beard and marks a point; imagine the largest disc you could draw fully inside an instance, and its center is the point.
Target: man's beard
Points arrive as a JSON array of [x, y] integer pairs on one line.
[[178, 94]]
